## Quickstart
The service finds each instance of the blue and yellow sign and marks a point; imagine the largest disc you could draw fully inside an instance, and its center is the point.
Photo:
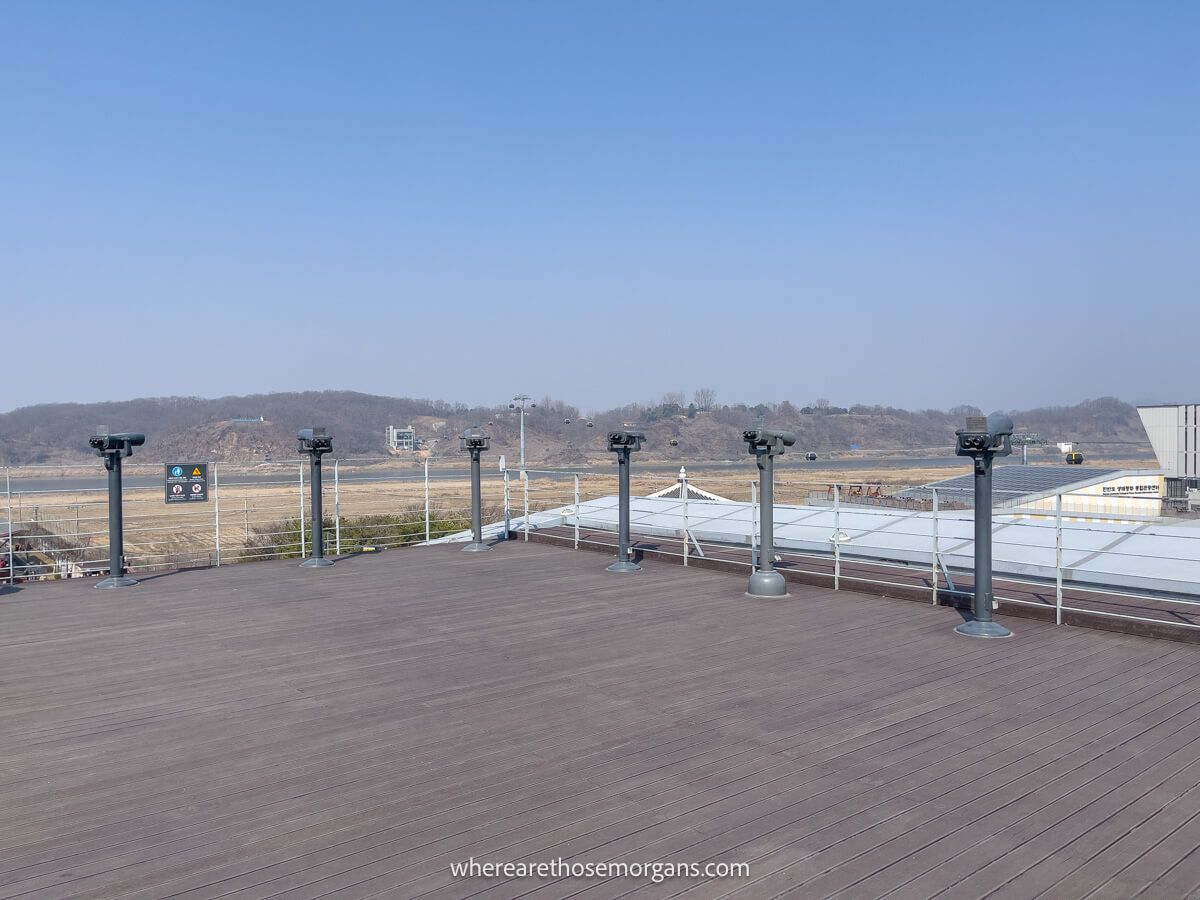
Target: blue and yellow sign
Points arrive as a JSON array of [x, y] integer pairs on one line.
[[186, 482]]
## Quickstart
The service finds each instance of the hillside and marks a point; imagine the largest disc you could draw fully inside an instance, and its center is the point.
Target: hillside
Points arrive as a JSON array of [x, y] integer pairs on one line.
[[556, 434]]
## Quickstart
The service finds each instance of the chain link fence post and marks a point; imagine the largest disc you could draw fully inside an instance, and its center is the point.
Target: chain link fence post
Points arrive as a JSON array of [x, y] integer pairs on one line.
[[427, 532], [576, 510]]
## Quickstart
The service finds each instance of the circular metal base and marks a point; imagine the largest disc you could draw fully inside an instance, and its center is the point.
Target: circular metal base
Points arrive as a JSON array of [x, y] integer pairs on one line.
[[474, 547], [976, 628], [624, 567], [316, 562], [767, 584], [118, 581]]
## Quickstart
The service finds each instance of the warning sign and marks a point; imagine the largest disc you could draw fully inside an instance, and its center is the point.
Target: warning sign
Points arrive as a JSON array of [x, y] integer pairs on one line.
[[186, 482]]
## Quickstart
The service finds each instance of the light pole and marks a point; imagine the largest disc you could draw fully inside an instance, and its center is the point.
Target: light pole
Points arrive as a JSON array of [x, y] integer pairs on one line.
[[1025, 440], [524, 400]]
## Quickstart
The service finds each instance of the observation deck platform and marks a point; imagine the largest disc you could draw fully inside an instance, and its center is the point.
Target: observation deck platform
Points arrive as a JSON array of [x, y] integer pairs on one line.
[[263, 730]]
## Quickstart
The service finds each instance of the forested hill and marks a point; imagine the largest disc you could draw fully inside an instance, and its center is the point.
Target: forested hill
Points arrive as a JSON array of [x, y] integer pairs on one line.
[[263, 426]]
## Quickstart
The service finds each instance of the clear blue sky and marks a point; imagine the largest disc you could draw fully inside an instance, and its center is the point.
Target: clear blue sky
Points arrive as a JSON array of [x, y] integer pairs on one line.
[[918, 204]]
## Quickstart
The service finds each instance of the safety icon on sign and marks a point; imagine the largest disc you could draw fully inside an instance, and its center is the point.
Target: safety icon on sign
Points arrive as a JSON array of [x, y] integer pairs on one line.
[[177, 489]]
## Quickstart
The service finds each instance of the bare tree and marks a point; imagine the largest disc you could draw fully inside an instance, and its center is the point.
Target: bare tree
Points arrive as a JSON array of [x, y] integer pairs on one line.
[[821, 403], [705, 398], [673, 398]]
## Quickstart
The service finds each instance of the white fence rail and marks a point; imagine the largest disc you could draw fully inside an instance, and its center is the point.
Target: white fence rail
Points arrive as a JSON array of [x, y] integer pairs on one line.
[[57, 527]]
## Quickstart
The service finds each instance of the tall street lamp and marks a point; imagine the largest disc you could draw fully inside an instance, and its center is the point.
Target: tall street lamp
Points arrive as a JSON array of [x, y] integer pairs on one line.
[[524, 400]]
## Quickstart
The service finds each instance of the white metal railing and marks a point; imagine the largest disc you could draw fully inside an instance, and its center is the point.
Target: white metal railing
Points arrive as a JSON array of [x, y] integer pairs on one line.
[[57, 526]]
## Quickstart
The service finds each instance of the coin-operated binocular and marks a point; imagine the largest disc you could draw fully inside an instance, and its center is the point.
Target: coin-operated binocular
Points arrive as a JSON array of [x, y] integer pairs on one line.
[[113, 448], [314, 440], [474, 441], [624, 443], [316, 443], [765, 444], [985, 435], [768, 441], [116, 444], [983, 439]]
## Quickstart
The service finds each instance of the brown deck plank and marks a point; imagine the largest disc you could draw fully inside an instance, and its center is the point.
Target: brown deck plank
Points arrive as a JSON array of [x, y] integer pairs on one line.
[[259, 730]]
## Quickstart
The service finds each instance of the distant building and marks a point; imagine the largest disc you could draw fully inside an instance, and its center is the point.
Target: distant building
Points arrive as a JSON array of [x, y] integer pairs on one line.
[[1031, 492], [401, 439], [1174, 432]]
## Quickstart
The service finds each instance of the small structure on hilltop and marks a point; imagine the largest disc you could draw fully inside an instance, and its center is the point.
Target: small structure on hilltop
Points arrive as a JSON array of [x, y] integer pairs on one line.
[[401, 439]]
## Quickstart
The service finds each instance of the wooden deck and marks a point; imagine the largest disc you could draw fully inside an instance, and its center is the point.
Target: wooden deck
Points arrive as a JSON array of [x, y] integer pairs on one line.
[[261, 730]]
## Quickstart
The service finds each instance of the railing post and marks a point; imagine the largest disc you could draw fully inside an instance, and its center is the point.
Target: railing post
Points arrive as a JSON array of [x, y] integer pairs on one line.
[[525, 478], [683, 495], [936, 547], [576, 510], [1058, 558], [507, 503], [217, 510], [427, 534], [753, 526], [12, 573], [837, 537], [337, 511], [303, 550]]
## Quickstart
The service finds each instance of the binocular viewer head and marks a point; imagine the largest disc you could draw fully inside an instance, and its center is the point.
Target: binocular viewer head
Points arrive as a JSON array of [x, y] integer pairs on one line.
[[314, 440], [116, 443], [625, 440], [768, 440], [984, 435], [474, 439]]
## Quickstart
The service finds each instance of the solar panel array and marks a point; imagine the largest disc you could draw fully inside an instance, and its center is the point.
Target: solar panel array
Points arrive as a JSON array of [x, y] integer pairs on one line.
[[1010, 482]]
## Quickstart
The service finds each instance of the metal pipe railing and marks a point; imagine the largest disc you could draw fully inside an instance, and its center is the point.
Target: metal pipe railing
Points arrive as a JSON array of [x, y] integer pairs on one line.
[[52, 531]]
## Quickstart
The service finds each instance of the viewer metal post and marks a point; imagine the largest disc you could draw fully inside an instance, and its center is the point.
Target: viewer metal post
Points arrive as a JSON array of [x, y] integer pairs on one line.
[[982, 440], [315, 442], [474, 441], [113, 448], [623, 443], [765, 444]]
